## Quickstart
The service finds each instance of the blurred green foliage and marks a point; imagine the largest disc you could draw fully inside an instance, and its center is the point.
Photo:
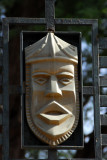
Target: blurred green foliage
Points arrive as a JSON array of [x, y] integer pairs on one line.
[[92, 9]]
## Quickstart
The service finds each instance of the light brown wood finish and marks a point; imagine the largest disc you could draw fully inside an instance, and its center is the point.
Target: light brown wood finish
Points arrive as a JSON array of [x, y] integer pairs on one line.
[[52, 102]]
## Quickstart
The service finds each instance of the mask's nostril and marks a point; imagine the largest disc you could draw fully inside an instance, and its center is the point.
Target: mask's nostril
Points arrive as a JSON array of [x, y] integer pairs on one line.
[[52, 94]]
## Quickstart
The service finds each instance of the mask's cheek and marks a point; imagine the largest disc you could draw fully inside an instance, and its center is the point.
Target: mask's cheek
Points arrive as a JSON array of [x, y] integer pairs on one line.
[[38, 100], [68, 100], [68, 87], [37, 97], [69, 96], [37, 87]]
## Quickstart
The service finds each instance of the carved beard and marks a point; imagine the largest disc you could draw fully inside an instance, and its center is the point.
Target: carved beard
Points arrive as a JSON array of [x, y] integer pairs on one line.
[[47, 138]]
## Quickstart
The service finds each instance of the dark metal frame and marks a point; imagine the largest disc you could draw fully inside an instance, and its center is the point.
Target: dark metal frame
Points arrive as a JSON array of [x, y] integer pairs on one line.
[[93, 90], [50, 22]]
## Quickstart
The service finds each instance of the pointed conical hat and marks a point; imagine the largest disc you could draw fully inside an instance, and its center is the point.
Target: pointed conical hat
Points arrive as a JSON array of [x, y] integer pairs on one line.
[[51, 47]]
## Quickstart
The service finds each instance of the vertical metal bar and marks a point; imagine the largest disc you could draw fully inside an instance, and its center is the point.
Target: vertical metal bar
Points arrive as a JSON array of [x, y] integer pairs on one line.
[[95, 57], [21, 84], [52, 154], [5, 150], [50, 14]]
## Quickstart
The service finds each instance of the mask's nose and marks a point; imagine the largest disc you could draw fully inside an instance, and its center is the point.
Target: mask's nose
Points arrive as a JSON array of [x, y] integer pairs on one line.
[[53, 88]]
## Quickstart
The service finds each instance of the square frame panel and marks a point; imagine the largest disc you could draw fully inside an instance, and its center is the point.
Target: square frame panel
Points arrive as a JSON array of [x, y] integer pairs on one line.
[[93, 90]]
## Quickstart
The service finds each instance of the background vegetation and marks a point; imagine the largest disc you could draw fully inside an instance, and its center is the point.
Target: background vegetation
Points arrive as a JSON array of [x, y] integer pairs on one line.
[[90, 9]]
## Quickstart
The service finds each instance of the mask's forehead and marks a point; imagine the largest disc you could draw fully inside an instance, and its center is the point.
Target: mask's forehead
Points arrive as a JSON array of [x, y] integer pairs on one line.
[[53, 67]]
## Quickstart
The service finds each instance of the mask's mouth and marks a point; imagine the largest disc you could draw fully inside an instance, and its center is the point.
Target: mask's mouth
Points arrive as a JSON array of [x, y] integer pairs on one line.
[[54, 113]]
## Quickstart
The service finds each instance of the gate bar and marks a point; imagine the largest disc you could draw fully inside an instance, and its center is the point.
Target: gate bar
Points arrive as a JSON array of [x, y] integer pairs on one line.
[[5, 148], [95, 75], [50, 15], [52, 154]]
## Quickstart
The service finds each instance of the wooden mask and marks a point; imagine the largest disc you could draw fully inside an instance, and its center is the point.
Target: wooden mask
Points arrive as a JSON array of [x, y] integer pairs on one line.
[[52, 102]]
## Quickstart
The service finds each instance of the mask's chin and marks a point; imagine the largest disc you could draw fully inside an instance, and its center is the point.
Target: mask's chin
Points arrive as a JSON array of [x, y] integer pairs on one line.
[[53, 122], [55, 125]]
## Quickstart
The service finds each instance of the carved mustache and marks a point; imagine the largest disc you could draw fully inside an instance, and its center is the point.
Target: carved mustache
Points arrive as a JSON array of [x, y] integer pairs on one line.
[[54, 107], [54, 113]]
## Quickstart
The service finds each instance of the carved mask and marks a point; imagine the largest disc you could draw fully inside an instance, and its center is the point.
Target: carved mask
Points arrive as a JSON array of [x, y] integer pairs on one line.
[[52, 103]]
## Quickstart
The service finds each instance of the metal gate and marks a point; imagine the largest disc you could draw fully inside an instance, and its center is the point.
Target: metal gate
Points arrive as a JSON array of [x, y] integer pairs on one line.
[[97, 62]]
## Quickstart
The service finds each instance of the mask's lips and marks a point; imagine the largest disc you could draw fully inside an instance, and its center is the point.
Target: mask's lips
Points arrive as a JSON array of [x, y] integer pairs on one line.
[[54, 113]]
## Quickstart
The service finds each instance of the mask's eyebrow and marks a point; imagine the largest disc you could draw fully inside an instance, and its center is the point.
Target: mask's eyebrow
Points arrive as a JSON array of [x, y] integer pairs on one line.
[[67, 70], [39, 73], [65, 74]]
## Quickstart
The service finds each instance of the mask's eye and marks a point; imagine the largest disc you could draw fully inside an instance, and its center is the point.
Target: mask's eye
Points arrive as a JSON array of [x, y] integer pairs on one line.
[[65, 77], [65, 80], [40, 80]]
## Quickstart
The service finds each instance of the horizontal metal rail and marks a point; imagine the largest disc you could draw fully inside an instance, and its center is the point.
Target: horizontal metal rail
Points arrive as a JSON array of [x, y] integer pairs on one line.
[[63, 159], [104, 120], [73, 21], [103, 43], [103, 101], [103, 81], [58, 21], [104, 139], [18, 20], [103, 61]]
